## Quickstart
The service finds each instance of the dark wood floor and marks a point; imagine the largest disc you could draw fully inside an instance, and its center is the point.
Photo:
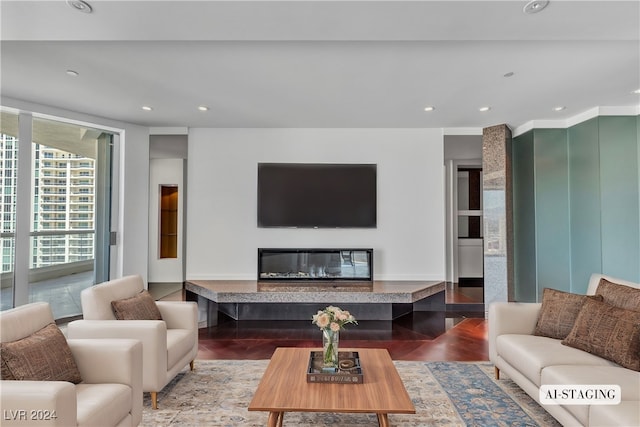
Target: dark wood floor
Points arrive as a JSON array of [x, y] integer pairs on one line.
[[464, 340]]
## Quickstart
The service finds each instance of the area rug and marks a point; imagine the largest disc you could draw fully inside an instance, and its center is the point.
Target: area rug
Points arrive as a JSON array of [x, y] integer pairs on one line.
[[448, 394]]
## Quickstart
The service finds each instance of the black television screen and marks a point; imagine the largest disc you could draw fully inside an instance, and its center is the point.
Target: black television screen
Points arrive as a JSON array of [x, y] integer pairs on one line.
[[317, 195]]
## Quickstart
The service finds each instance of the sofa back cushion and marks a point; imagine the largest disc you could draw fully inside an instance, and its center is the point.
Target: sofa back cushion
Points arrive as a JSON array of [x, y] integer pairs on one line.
[[594, 282], [96, 300], [619, 295], [610, 332], [42, 356], [558, 313]]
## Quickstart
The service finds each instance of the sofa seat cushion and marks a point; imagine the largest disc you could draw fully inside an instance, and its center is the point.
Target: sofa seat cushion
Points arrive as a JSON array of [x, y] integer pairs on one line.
[[179, 343], [628, 380], [627, 413], [102, 404], [530, 354]]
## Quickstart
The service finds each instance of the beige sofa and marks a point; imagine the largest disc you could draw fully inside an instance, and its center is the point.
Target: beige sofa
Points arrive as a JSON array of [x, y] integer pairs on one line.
[[110, 393], [168, 345], [532, 361]]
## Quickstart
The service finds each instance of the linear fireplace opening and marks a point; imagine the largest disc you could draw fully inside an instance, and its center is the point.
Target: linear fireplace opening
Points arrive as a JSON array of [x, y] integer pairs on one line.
[[347, 264]]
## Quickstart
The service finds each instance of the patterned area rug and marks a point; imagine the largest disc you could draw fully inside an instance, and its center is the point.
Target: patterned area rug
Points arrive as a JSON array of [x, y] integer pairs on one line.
[[218, 393]]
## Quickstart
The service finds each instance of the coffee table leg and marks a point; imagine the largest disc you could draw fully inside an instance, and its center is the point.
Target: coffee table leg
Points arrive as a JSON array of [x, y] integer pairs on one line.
[[275, 419], [383, 421]]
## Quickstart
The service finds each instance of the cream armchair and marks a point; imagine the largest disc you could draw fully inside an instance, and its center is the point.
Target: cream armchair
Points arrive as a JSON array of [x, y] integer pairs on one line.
[[168, 345], [110, 391]]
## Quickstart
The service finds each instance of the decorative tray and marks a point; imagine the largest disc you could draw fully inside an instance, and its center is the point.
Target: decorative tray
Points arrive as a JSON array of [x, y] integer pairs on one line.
[[348, 371]]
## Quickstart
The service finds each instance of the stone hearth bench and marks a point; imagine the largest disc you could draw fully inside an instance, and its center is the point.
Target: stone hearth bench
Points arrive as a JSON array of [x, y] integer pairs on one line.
[[257, 300]]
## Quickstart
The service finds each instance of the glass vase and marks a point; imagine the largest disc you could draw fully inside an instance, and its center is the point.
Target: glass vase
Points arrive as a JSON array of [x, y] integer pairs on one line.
[[330, 341]]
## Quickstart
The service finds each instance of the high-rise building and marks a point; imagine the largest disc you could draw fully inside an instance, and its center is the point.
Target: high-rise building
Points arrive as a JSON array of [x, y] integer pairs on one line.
[[64, 202], [63, 205], [8, 174]]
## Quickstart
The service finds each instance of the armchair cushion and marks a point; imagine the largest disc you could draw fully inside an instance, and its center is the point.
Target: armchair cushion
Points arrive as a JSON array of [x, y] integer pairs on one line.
[[42, 356], [102, 404], [139, 307]]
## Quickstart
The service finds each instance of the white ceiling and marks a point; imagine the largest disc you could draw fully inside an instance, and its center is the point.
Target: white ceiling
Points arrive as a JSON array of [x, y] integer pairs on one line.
[[322, 63]]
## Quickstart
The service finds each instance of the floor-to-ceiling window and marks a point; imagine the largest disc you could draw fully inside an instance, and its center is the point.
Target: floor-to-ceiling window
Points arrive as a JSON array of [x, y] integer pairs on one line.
[[62, 233], [9, 175]]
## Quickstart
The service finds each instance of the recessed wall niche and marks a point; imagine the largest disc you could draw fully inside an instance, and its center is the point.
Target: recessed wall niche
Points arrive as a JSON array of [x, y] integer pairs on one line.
[[168, 236]]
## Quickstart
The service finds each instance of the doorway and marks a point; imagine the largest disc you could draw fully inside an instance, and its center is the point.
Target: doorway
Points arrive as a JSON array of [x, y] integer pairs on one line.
[[465, 243]]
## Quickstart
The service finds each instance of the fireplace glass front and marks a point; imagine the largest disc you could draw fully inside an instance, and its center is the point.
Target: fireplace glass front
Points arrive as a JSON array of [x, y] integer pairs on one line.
[[315, 264]]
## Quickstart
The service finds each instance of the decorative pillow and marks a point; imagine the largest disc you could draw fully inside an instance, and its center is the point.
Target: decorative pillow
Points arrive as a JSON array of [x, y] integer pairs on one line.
[[618, 295], [558, 313], [5, 372], [610, 332], [139, 307], [42, 356]]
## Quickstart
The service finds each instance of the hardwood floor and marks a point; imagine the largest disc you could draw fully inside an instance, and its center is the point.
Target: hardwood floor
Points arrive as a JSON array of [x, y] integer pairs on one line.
[[466, 340]]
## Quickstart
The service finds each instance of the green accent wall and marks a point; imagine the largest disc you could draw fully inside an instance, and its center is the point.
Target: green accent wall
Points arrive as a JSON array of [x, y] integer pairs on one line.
[[620, 224], [524, 230], [584, 199], [576, 205], [553, 241]]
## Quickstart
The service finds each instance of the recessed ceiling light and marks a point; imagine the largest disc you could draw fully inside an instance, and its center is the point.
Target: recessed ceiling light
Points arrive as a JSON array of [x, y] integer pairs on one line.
[[636, 91], [429, 108], [72, 73], [203, 108], [535, 6], [147, 108], [559, 108], [80, 6], [483, 109]]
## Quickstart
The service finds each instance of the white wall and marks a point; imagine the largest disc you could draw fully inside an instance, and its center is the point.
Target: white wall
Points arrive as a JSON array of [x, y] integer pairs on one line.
[[133, 211], [223, 237]]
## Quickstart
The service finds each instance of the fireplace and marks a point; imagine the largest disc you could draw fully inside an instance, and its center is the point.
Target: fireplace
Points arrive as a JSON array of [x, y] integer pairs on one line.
[[315, 265]]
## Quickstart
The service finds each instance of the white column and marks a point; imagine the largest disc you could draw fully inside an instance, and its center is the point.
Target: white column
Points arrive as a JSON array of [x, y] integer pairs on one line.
[[23, 210]]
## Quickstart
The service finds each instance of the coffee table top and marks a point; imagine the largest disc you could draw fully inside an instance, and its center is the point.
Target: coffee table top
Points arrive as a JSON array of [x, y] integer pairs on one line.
[[284, 386]]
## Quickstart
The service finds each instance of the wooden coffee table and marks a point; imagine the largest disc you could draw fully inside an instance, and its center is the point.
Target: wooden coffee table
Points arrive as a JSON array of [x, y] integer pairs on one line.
[[284, 388]]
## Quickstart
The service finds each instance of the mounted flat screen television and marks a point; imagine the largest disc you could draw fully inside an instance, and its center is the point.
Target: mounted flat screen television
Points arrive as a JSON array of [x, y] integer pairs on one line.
[[321, 195]]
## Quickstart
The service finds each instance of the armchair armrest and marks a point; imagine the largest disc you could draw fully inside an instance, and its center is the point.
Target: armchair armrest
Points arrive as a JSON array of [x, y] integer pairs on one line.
[[151, 333], [179, 314], [510, 318], [111, 361], [119, 360], [42, 403]]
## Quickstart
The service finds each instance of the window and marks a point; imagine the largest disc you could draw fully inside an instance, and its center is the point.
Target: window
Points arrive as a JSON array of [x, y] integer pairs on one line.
[[48, 239]]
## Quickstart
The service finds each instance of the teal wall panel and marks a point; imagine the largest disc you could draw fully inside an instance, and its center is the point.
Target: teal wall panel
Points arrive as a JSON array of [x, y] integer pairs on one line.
[[620, 197], [576, 205], [524, 224], [584, 202], [551, 177]]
